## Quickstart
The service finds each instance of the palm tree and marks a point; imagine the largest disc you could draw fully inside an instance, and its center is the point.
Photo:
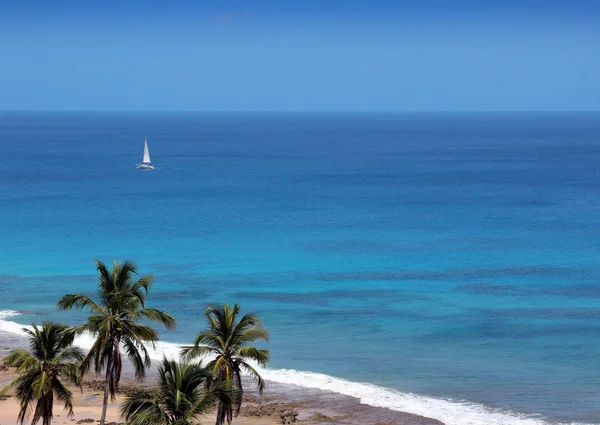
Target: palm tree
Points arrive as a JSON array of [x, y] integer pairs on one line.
[[114, 323], [182, 396], [227, 340], [50, 360]]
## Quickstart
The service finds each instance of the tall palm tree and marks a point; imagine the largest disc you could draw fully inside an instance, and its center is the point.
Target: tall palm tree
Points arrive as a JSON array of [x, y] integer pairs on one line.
[[50, 362], [182, 396], [228, 339], [114, 323]]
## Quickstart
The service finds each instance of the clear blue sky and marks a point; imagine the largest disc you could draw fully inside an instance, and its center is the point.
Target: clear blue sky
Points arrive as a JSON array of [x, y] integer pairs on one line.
[[304, 55]]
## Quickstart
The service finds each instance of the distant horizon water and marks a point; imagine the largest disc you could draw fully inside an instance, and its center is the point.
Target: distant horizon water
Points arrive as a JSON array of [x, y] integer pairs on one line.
[[444, 264], [311, 111]]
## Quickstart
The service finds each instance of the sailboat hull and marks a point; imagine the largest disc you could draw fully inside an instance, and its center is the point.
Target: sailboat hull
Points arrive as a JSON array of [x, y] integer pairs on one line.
[[145, 166]]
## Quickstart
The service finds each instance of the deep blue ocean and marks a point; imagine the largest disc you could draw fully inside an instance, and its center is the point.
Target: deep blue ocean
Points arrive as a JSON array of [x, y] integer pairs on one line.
[[438, 257]]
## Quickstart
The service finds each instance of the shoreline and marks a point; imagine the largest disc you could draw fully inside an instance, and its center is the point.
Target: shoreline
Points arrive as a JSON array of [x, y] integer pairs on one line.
[[315, 394], [279, 404], [318, 396]]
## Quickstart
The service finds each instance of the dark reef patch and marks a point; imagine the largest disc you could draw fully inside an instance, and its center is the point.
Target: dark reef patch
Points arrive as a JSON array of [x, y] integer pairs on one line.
[[325, 298], [458, 274]]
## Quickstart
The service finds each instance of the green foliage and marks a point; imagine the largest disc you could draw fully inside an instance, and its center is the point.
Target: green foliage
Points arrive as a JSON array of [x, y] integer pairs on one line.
[[182, 396], [51, 359], [227, 340], [114, 322]]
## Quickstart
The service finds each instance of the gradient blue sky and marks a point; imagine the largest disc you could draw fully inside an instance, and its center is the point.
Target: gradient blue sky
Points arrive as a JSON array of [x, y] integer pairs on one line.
[[306, 55]]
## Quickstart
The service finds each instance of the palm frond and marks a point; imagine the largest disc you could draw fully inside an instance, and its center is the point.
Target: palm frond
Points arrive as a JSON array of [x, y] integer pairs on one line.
[[252, 334], [71, 372], [221, 367], [23, 381], [86, 327], [106, 281], [144, 283], [197, 351], [248, 320], [205, 401], [123, 273], [99, 353], [260, 383], [80, 302], [64, 395], [139, 363], [72, 354], [252, 353], [24, 393], [43, 410], [156, 315], [140, 332], [41, 384], [143, 412], [210, 339], [20, 358], [181, 397]]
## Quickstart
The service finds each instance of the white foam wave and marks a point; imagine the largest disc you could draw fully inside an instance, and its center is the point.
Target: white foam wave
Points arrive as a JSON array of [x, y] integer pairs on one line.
[[8, 326], [163, 349], [450, 412], [86, 341], [8, 313]]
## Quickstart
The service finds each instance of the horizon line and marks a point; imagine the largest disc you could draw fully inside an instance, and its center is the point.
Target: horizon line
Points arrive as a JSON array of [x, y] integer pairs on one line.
[[267, 111]]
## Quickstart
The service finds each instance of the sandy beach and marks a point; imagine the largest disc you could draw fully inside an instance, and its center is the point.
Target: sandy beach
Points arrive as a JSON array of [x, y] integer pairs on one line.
[[279, 404]]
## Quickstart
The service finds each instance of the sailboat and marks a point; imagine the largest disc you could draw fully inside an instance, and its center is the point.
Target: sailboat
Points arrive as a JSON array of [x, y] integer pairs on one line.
[[146, 163]]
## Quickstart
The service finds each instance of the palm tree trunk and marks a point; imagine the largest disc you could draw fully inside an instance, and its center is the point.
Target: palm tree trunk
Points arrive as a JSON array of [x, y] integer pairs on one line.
[[221, 414], [47, 415], [109, 368]]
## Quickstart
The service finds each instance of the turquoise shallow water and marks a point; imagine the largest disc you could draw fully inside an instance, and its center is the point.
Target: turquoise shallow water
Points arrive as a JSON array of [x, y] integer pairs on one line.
[[447, 255]]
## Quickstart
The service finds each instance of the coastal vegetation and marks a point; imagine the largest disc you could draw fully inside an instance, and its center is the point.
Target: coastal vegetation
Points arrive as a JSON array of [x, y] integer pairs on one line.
[[114, 322], [44, 369], [185, 389], [227, 339], [183, 394]]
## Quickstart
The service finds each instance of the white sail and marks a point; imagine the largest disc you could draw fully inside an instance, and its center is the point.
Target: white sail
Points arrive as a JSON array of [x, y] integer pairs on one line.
[[146, 163], [146, 159]]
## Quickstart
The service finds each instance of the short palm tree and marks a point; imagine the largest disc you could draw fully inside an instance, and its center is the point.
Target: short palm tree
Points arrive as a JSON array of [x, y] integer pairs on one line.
[[227, 340], [182, 396], [114, 323], [50, 362]]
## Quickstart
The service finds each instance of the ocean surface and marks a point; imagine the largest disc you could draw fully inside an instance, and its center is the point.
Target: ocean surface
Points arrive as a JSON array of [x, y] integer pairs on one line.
[[440, 264]]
